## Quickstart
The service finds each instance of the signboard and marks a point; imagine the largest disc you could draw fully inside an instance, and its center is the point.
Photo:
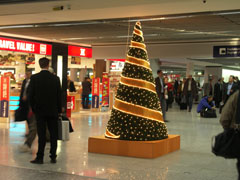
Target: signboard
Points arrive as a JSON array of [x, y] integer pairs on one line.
[[25, 46], [79, 51], [116, 65], [95, 92], [105, 90], [4, 96], [226, 51]]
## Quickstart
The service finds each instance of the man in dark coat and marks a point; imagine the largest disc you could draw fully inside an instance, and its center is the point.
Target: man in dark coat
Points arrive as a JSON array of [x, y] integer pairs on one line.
[[45, 101], [229, 89], [190, 91], [218, 89], [86, 90], [160, 88], [31, 121]]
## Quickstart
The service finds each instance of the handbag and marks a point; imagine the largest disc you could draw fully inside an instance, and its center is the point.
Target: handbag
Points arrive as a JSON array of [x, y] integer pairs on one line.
[[21, 114], [227, 144]]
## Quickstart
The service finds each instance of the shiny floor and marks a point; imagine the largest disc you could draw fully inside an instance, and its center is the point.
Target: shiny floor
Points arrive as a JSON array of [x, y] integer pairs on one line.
[[194, 161]]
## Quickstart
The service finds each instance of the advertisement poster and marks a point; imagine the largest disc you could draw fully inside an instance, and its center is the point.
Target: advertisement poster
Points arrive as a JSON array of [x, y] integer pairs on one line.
[[105, 90], [4, 96], [95, 92]]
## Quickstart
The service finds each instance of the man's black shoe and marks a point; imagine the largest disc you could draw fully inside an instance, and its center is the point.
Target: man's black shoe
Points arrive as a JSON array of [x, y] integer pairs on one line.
[[166, 121], [53, 161], [37, 161]]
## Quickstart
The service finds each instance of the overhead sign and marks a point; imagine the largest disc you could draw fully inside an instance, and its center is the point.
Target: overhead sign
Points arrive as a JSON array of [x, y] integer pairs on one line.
[[226, 51], [79, 51], [25, 46], [4, 96]]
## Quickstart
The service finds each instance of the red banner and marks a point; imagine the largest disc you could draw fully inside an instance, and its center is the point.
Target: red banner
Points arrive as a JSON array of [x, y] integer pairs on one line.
[[4, 96], [95, 86], [79, 51], [95, 92], [25, 46], [105, 89]]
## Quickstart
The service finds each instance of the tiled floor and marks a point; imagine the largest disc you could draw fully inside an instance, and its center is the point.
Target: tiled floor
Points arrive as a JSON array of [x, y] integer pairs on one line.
[[193, 162]]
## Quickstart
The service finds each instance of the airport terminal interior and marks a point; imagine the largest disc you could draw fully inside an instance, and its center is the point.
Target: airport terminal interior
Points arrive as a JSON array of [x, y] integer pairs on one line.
[[125, 128]]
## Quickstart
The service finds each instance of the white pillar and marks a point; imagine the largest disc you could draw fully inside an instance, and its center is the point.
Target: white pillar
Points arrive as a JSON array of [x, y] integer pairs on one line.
[[215, 71], [190, 69]]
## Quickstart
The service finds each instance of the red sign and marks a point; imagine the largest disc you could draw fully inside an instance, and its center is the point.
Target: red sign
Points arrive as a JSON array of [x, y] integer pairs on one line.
[[4, 96], [79, 51], [122, 60], [105, 90], [95, 92], [69, 104], [72, 102], [96, 86], [25, 46]]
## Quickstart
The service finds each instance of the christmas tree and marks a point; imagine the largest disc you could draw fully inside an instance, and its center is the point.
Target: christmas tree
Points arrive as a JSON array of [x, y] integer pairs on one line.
[[136, 114]]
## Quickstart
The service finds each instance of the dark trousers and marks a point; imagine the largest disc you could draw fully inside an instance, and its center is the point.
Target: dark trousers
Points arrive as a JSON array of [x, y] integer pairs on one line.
[[52, 124], [85, 101], [189, 99], [32, 126], [238, 168]]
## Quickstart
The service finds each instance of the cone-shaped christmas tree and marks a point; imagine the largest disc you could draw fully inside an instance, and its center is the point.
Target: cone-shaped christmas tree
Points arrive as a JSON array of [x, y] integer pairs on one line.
[[136, 114]]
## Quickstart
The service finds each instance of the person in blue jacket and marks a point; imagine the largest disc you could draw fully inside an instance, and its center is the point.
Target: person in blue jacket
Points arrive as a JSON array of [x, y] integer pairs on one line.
[[206, 102]]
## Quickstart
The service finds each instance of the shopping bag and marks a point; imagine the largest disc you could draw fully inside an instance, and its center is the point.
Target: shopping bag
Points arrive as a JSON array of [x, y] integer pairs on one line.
[[63, 130]]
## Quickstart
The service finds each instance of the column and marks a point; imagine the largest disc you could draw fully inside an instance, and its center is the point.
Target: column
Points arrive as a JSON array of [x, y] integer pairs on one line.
[[73, 74], [215, 71], [190, 69]]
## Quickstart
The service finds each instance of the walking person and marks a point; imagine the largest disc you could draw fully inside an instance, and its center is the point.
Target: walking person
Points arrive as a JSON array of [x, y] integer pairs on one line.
[[160, 88], [190, 90], [31, 121], [45, 101], [86, 90], [229, 116], [218, 89]]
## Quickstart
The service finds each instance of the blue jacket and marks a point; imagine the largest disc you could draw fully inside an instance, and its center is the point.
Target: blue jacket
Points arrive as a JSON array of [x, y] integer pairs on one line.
[[204, 104]]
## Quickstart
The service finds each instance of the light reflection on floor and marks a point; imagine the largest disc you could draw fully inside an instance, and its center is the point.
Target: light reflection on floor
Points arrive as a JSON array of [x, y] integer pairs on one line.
[[193, 161]]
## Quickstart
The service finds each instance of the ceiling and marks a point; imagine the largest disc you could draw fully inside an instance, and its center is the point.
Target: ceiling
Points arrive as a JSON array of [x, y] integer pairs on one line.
[[219, 26]]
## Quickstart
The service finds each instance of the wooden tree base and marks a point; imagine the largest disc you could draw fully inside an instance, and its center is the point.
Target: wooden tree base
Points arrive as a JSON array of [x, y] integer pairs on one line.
[[140, 149]]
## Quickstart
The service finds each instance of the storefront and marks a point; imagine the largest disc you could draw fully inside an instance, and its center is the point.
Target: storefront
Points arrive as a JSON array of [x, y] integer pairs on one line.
[[18, 55]]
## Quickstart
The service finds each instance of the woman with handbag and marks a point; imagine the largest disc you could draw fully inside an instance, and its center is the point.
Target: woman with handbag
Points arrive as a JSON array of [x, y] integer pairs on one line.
[[230, 119]]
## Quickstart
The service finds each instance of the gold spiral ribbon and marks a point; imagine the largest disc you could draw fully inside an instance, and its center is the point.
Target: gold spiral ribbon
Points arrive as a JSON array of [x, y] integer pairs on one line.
[[110, 135], [138, 61], [138, 44], [138, 32], [137, 110], [138, 83]]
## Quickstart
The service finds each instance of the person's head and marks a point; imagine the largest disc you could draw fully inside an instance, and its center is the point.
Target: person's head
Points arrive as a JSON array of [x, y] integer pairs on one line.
[[28, 74], [166, 80], [190, 76], [184, 80], [87, 79], [220, 79], [44, 63], [160, 73], [210, 98], [231, 79]]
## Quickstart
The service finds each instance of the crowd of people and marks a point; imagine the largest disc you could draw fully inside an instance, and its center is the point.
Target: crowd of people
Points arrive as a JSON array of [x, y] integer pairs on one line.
[[185, 92]]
